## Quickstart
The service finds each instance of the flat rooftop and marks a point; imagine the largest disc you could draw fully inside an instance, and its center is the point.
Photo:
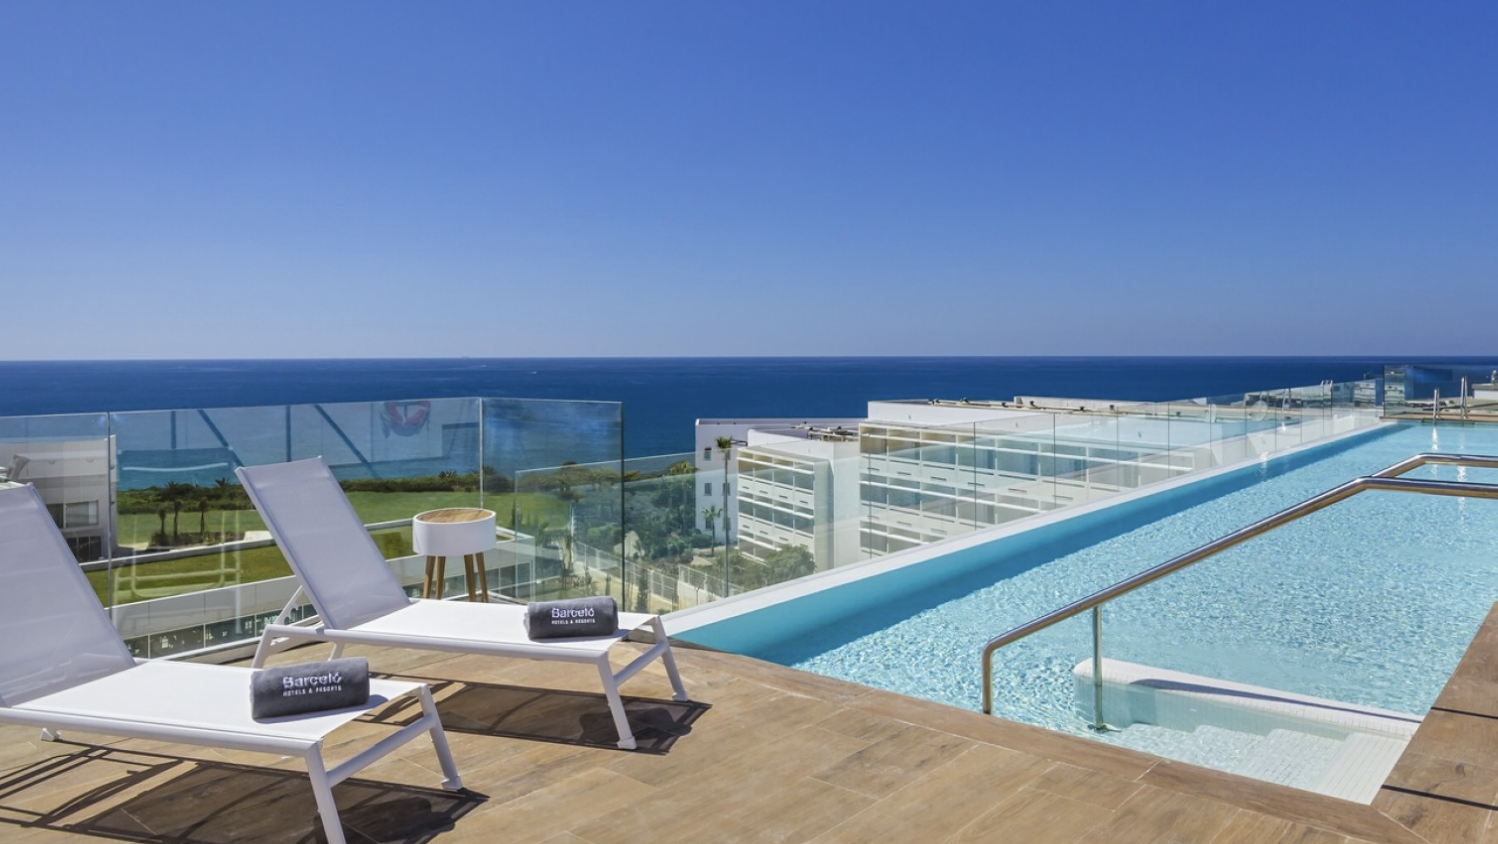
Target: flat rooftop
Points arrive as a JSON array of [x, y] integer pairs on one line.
[[763, 753]]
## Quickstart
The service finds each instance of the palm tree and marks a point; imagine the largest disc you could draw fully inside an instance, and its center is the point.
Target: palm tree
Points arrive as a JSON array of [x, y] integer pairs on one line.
[[571, 496], [710, 515], [175, 494], [725, 447]]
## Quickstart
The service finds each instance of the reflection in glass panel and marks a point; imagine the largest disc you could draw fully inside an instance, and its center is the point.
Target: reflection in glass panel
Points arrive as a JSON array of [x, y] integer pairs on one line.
[[68, 460]]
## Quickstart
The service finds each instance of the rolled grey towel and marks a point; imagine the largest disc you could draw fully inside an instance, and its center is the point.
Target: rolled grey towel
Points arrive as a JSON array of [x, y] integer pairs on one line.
[[310, 687], [572, 618]]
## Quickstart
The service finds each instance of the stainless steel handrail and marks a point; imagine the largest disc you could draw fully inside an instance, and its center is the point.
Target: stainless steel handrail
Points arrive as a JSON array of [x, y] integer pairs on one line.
[[1385, 479]]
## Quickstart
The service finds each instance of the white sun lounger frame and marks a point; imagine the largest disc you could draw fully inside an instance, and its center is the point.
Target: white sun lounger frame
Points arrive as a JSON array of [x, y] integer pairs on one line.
[[359, 601]]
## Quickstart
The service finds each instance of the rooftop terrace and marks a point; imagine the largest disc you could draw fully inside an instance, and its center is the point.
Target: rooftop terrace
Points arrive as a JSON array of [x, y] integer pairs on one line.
[[764, 753]]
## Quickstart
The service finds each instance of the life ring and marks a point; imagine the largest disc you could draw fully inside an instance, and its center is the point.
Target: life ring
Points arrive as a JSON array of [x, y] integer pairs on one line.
[[405, 418]]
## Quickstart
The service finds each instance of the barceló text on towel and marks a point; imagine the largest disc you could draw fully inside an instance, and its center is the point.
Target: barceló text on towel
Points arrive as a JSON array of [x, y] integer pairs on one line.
[[576, 617], [309, 687]]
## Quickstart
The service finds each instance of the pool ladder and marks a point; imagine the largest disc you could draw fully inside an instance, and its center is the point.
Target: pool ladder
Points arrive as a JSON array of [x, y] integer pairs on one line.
[[1387, 480]]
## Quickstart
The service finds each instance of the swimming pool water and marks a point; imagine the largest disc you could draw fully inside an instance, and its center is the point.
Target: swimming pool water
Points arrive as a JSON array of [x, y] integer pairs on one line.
[[1371, 601]]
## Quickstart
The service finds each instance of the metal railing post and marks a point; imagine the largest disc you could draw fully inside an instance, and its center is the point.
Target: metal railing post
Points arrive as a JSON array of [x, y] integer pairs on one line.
[[1098, 725]]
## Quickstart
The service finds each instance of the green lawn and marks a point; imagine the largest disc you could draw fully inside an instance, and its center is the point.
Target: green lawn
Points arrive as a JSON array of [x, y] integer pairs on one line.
[[218, 566], [135, 529]]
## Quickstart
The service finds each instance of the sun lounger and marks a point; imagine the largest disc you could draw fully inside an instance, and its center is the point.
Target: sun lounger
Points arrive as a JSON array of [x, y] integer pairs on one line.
[[63, 666], [359, 601]]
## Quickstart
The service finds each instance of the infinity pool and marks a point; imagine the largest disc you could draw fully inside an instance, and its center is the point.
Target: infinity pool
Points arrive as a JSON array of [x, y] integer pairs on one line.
[[1371, 601]]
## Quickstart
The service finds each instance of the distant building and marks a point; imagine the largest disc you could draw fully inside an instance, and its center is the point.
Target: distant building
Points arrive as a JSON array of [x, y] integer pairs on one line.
[[76, 480], [919, 471], [708, 459], [799, 487]]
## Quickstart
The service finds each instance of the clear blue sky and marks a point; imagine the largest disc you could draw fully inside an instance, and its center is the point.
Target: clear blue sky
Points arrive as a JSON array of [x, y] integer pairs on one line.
[[371, 179]]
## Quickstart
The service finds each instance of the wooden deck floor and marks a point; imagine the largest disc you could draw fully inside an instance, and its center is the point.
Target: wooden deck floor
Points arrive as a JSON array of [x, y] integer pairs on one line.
[[763, 754]]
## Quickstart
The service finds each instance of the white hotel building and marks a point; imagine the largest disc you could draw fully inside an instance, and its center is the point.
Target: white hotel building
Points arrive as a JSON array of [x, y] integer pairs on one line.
[[915, 472]]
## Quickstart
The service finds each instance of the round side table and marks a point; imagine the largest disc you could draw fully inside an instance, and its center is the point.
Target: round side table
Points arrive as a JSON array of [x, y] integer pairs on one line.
[[465, 532]]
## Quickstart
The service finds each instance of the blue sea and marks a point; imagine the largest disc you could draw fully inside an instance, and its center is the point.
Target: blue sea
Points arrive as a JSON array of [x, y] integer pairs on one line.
[[662, 396]]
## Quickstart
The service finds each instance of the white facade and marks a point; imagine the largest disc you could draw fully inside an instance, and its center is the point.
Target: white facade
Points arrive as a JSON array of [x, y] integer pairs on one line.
[[711, 466], [76, 480], [800, 490], [938, 469], [915, 472]]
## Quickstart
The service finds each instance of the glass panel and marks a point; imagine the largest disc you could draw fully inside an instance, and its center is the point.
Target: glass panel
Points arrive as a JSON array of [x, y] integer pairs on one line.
[[1424, 391], [149, 502], [552, 471], [666, 539], [69, 461]]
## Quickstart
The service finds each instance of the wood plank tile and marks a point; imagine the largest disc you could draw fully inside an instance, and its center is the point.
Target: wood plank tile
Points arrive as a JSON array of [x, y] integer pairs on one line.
[[64, 786], [1432, 775], [1032, 815], [770, 675], [1340, 816], [1253, 828], [1093, 787], [863, 725], [1438, 821], [547, 812], [936, 806], [1157, 816], [1469, 694], [795, 813], [536, 767], [1480, 660], [890, 763], [739, 750], [1457, 737]]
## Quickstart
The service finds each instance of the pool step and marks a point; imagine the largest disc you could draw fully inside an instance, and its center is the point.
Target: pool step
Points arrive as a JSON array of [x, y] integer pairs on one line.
[[1299, 760], [1350, 769], [1329, 747], [1361, 767]]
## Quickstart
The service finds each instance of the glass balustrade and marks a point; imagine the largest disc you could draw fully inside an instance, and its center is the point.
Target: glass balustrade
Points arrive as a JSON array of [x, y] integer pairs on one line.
[[1450, 392], [150, 504]]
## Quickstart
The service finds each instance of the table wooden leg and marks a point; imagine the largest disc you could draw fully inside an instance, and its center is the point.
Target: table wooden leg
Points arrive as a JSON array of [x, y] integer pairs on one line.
[[441, 576], [468, 576], [483, 579], [426, 585]]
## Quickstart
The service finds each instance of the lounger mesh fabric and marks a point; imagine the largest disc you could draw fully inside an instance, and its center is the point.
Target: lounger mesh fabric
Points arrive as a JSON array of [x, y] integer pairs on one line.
[[39, 602], [343, 587]]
